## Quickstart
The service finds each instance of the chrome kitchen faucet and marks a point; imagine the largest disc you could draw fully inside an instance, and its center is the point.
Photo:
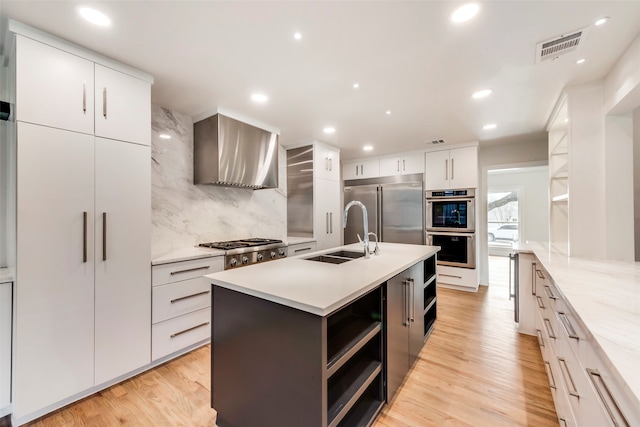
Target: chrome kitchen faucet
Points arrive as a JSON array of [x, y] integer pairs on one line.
[[365, 220]]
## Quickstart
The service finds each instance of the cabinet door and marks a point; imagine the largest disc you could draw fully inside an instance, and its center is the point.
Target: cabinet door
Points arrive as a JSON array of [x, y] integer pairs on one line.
[[390, 166], [55, 268], [327, 214], [123, 275], [397, 333], [6, 298], [463, 167], [122, 106], [413, 163], [326, 162], [437, 170], [416, 317], [53, 88], [361, 170]]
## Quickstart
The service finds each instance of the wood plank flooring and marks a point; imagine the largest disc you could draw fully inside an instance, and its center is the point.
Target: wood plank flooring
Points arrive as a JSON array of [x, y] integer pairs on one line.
[[475, 370]]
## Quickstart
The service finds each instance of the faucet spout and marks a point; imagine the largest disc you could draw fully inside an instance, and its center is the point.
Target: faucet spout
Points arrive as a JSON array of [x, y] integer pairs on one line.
[[365, 220]]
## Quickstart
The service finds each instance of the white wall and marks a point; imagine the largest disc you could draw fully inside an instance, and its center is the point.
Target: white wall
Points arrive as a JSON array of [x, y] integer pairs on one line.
[[184, 214]]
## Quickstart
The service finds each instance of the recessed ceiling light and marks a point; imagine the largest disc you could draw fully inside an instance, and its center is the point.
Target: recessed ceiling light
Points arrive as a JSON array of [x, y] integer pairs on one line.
[[580, 61], [356, 85], [490, 126], [388, 112], [329, 130], [367, 147], [94, 16], [259, 97], [164, 136], [297, 36], [482, 93], [465, 12], [602, 21]]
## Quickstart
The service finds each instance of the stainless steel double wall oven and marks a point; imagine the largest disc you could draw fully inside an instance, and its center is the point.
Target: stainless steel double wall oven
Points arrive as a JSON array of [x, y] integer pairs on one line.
[[450, 224]]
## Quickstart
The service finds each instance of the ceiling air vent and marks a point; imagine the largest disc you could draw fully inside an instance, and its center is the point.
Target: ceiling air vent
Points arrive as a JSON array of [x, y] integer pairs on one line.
[[437, 141], [561, 45]]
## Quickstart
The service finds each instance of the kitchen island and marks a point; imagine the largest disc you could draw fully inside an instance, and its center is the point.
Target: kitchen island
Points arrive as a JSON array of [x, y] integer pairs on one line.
[[303, 342]]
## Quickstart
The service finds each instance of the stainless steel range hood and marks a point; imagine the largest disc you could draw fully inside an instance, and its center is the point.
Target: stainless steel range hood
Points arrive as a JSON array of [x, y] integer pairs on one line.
[[229, 152]]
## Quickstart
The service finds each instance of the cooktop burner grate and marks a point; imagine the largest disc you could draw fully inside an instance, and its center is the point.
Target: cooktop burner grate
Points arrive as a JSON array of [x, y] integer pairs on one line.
[[236, 244]]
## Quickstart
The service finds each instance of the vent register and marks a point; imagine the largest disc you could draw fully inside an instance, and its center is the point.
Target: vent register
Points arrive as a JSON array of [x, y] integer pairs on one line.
[[561, 45]]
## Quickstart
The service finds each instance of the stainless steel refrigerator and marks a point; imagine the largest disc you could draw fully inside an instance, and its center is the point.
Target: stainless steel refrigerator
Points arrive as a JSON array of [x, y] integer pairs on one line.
[[395, 207]]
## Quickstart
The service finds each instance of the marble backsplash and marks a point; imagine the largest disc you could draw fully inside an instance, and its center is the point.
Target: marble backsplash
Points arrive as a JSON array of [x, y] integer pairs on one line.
[[184, 214]]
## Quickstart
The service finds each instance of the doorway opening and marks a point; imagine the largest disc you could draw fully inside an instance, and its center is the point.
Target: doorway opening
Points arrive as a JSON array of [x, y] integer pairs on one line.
[[503, 230]]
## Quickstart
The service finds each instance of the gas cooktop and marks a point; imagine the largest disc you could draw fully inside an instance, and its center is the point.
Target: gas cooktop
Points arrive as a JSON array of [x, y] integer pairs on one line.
[[243, 243], [249, 251]]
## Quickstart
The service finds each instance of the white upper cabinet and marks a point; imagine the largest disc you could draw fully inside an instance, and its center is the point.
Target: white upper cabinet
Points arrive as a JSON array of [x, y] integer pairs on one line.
[[122, 106], [454, 168], [408, 164], [326, 162], [362, 169], [53, 88]]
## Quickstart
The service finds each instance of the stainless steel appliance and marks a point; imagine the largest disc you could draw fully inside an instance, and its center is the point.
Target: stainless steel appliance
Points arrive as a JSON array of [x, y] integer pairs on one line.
[[451, 210], [450, 219], [232, 153], [457, 249], [249, 251], [395, 207]]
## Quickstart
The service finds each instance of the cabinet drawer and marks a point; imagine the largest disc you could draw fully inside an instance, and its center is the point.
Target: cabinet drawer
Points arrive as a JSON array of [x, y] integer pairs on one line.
[[175, 334], [175, 299], [183, 270], [301, 248], [458, 277]]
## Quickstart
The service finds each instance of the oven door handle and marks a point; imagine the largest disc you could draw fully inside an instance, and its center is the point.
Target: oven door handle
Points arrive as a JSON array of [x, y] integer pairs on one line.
[[470, 234]]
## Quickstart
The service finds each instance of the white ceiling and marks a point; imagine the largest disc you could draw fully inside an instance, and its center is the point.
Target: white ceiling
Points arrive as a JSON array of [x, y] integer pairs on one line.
[[408, 57]]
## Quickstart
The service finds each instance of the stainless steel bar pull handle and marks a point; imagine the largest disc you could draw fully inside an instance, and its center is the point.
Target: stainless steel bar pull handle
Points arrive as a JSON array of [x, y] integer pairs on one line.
[[326, 219], [540, 302], [356, 170], [412, 298], [361, 169], [331, 222], [190, 329], [189, 296], [540, 339], [607, 399], [566, 323], [302, 249], [84, 236], [549, 292], [450, 275], [552, 381], [404, 167], [571, 386], [104, 102], [446, 169], [104, 236], [84, 97], [549, 328], [405, 311], [452, 169], [188, 270], [533, 278]]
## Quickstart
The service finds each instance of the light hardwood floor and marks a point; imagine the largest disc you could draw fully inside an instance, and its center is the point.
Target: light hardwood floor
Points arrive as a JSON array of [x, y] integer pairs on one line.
[[475, 370]]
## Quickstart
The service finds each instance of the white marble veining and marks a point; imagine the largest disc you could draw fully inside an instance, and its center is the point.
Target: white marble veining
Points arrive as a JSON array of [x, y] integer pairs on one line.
[[606, 297], [186, 254], [184, 214], [317, 287], [298, 240]]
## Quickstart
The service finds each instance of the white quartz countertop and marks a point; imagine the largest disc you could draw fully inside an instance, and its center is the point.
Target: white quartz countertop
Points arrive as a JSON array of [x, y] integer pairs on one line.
[[185, 254], [606, 297], [6, 275], [317, 287]]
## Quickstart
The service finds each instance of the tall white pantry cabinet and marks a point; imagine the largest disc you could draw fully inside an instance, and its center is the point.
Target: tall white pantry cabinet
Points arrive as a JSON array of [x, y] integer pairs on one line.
[[83, 303]]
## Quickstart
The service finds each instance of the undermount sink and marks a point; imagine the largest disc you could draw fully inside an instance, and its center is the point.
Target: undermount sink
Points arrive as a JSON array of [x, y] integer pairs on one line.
[[336, 257]]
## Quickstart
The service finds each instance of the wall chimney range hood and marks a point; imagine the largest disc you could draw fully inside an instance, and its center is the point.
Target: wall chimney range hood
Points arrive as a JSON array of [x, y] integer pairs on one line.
[[229, 152]]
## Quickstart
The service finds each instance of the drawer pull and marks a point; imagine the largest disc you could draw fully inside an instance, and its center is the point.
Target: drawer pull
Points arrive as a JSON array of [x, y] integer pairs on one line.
[[188, 330], [540, 302], [568, 326], [189, 296], [607, 399], [552, 381], [188, 270], [549, 328], [571, 387], [302, 250], [563, 423], [533, 278], [539, 273], [549, 292], [540, 340], [451, 275]]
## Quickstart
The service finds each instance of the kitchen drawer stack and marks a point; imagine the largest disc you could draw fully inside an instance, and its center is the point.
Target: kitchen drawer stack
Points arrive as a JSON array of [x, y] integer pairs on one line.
[[584, 390], [181, 305], [355, 389]]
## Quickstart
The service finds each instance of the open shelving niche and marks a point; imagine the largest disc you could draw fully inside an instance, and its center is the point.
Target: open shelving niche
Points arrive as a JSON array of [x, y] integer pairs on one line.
[[430, 296], [559, 173], [355, 346]]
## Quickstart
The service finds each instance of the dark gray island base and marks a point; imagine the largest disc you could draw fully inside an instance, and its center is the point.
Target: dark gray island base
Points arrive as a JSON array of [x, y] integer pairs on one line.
[[275, 365]]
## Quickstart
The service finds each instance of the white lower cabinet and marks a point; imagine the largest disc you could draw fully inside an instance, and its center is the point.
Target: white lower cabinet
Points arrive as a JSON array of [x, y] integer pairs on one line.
[[301, 248], [82, 298], [584, 391], [181, 304], [6, 304], [465, 279]]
